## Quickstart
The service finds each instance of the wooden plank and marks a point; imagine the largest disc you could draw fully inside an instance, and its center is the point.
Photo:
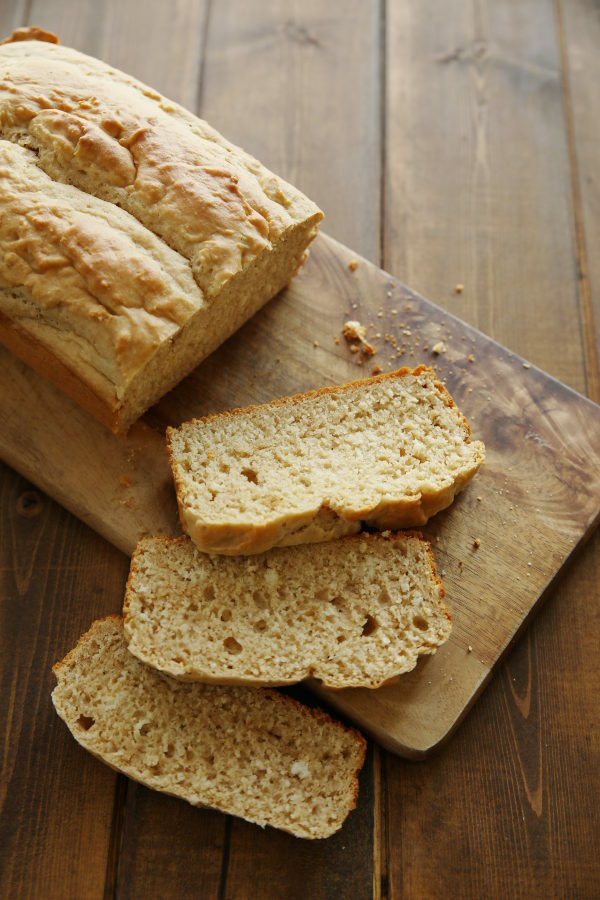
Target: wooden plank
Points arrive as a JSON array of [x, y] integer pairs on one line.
[[486, 162], [160, 45], [56, 802], [477, 174], [297, 85], [310, 94], [139, 40], [578, 30]]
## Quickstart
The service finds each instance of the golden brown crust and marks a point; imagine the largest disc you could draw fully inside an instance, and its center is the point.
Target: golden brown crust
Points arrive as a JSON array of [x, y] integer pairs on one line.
[[31, 33], [45, 363]]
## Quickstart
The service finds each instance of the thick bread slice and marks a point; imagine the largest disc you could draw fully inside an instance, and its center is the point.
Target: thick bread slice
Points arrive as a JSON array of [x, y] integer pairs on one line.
[[389, 451], [354, 613], [134, 238], [251, 753]]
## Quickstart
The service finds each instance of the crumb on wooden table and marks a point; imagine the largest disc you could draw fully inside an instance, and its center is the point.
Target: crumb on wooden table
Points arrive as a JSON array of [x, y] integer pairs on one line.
[[459, 289], [315, 343], [376, 370], [124, 481], [471, 358], [353, 265], [476, 543]]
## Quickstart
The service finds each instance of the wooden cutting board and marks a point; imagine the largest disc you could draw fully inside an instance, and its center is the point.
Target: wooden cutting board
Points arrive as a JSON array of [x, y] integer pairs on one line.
[[535, 500]]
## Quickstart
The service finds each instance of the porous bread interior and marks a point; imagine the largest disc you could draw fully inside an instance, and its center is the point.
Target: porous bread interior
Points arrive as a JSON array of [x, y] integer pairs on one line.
[[354, 613], [390, 451], [251, 753]]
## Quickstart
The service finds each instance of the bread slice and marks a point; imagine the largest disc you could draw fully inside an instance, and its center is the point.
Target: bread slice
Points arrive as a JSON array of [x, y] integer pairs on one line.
[[251, 753], [354, 613], [134, 238], [389, 451]]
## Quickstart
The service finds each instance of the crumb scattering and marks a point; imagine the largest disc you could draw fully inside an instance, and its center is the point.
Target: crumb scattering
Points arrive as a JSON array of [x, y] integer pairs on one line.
[[376, 370], [438, 348], [476, 543], [353, 265]]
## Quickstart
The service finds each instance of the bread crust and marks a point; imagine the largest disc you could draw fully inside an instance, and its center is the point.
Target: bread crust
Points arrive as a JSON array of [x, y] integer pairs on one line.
[[390, 514]]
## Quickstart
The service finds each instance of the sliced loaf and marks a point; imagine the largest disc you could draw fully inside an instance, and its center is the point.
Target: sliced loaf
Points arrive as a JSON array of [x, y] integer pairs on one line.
[[251, 753], [354, 613], [389, 451]]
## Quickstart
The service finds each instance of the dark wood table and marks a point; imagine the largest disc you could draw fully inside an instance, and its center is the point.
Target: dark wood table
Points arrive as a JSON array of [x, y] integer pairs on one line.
[[451, 143]]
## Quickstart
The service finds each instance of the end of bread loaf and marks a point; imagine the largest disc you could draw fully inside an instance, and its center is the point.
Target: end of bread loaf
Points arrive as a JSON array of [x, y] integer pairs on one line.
[[388, 451], [357, 612], [251, 753]]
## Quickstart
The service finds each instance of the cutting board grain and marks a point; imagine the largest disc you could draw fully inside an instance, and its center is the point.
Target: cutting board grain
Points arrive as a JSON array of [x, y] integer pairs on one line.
[[499, 546]]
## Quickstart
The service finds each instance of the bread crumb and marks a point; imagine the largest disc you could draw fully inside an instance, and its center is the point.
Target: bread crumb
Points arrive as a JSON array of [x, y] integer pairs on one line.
[[376, 370], [469, 649], [336, 340], [438, 348], [526, 366], [479, 499], [353, 265], [461, 566], [369, 349], [471, 358], [354, 331], [354, 348], [124, 481], [277, 359], [476, 543], [315, 343], [459, 289]]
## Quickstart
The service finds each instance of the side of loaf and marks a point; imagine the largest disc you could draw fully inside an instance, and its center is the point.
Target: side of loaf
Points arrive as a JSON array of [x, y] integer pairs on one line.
[[388, 451], [357, 612], [248, 752], [134, 239]]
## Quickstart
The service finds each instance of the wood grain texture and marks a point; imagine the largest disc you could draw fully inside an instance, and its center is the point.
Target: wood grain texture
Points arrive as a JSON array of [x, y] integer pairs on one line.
[[480, 169], [56, 803], [503, 805], [578, 32]]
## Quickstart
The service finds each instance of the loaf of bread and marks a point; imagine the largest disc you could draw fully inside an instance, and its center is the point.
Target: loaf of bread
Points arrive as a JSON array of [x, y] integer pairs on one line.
[[134, 239], [249, 752], [389, 451], [356, 612]]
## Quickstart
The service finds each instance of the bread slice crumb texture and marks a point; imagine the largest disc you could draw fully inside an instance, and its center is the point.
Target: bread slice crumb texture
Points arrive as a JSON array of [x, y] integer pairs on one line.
[[251, 753], [390, 451], [356, 612]]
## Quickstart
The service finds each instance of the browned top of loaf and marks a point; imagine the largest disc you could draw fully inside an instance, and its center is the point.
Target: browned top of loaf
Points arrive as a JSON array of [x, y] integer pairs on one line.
[[129, 208]]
